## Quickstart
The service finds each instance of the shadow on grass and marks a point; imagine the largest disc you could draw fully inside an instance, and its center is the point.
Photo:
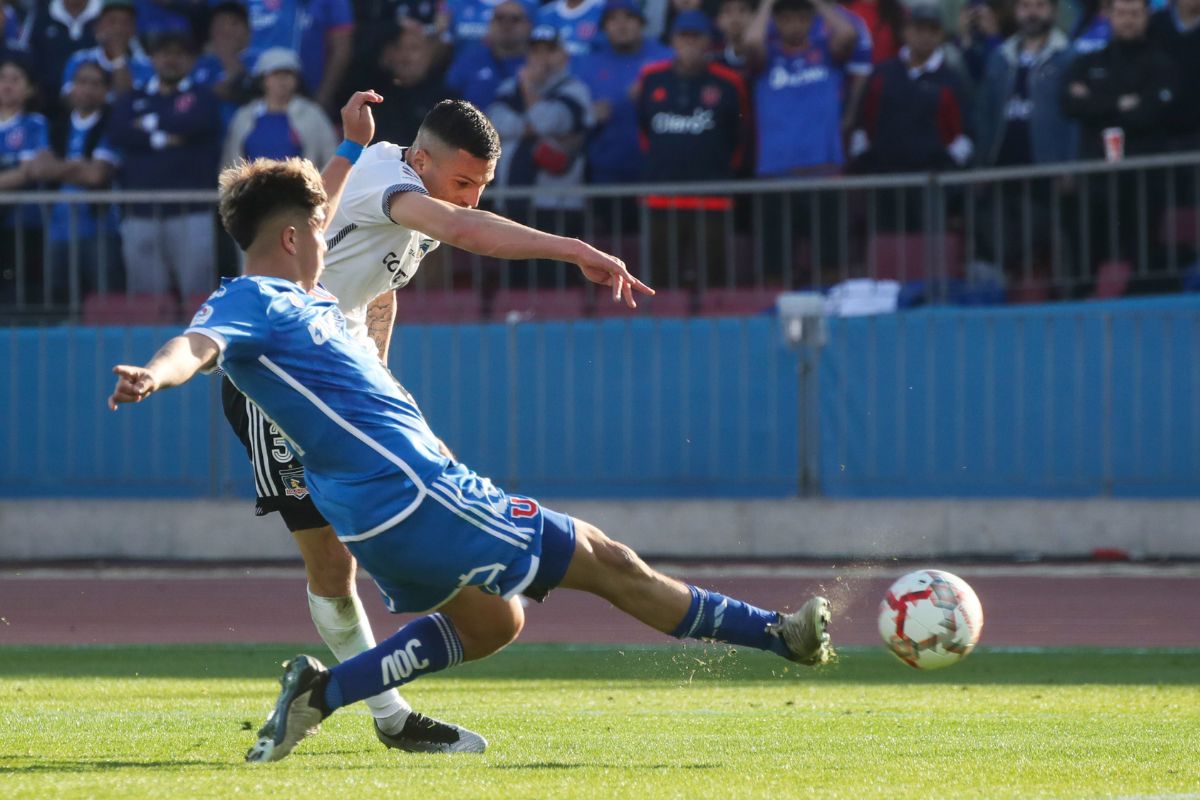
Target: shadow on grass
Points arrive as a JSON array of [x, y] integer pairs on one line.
[[82, 765], [673, 664]]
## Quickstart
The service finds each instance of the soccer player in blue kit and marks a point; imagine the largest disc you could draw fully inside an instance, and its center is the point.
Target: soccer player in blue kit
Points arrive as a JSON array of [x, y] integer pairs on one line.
[[433, 534]]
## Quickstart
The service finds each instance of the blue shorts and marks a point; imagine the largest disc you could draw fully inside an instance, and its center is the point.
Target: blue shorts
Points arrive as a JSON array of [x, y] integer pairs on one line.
[[467, 532]]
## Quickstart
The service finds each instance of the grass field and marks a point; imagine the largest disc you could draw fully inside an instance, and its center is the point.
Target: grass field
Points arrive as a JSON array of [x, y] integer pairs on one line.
[[690, 722]]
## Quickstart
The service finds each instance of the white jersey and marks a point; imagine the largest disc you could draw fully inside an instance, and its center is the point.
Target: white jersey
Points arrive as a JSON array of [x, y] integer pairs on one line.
[[370, 254]]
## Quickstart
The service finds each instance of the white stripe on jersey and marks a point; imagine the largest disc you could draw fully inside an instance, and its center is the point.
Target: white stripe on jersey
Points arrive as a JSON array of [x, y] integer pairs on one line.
[[450, 504], [480, 508], [362, 437], [528, 579]]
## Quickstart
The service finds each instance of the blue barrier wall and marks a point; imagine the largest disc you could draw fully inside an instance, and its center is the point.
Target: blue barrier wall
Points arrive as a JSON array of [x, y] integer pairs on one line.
[[1049, 401]]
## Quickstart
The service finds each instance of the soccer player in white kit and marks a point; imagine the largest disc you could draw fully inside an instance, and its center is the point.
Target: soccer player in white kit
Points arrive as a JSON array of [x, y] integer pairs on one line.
[[397, 204]]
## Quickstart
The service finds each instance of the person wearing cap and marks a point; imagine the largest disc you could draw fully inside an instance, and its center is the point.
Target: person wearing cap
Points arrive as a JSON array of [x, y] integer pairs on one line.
[[480, 66], [692, 115], [53, 31], [117, 50], [913, 115], [542, 116], [282, 123], [611, 73], [321, 31], [168, 134], [577, 23]]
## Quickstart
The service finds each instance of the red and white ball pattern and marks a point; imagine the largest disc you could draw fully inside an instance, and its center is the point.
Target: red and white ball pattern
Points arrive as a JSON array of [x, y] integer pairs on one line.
[[930, 619]]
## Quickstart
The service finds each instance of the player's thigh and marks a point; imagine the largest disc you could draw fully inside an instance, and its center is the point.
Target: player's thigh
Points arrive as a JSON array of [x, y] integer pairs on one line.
[[602, 565], [328, 563], [484, 622]]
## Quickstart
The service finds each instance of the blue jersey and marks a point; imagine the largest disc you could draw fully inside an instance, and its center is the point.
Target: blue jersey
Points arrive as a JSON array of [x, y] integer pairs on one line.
[[804, 88], [476, 74], [141, 69], [577, 27], [370, 457], [1094, 37], [298, 26], [469, 19], [79, 219], [22, 137]]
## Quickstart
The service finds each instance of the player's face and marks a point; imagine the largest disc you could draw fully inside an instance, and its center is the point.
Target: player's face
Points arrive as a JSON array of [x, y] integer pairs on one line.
[[310, 245], [15, 88], [455, 176], [1128, 19]]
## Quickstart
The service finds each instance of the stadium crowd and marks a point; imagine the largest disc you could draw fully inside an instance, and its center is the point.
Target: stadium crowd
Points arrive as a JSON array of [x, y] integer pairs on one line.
[[159, 94]]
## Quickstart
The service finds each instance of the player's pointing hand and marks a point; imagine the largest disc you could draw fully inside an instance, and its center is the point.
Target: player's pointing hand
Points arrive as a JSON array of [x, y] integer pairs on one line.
[[599, 267], [358, 123], [134, 384]]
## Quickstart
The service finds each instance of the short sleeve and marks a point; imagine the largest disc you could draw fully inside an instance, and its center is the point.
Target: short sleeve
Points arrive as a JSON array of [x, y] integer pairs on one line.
[[860, 61], [37, 138], [236, 320], [370, 189]]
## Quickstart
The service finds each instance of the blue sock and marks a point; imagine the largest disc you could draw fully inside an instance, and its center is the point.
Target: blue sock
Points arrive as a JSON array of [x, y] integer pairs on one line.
[[425, 645], [714, 616]]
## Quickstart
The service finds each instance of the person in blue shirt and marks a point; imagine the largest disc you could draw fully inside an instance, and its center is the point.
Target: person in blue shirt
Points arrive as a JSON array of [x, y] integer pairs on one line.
[[577, 23], [156, 16], [611, 73], [463, 21], [117, 50], [84, 246], [321, 31], [23, 136], [480, 66], [431, 532]]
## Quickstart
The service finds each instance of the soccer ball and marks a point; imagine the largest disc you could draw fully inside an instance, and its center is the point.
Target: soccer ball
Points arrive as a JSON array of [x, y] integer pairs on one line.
[[930, 619]]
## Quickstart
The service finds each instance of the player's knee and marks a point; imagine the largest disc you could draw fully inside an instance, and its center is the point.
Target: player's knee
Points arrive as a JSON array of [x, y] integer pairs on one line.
[[485, 628]]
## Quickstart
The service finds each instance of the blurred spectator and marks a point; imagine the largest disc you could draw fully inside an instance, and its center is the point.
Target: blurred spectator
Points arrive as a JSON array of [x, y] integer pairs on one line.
[[224, 65], [885, 22], [693, 114], [461, 21], [373, 15], [53, 32], [611, 72], [117, 50], [795, 73], [168, 134], [914, 118], [321, 31], [542, 116], [184, 16], [577, 23], [282, 123], [413, 87], [1019, 110], [1129, 84], [1093, 28], [733, 20], [23, 136], [1176, 32], [84, 248], [857, 67], [979, 34], [479, 67]]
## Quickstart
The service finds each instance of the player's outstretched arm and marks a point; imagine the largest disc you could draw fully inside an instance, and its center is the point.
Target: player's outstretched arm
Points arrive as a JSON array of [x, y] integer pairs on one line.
[[491, 235], [358, 128], [175, 363]]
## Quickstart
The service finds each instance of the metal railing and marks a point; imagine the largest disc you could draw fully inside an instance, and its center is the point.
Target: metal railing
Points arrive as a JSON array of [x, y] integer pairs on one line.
[[1063, 231]]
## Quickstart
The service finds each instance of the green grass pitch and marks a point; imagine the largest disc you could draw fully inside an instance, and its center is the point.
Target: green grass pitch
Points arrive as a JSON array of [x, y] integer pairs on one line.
[[592, 722]]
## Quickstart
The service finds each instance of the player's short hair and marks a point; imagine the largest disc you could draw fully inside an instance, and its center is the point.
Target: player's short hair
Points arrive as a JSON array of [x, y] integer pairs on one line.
[[252, 192], [462, 126]]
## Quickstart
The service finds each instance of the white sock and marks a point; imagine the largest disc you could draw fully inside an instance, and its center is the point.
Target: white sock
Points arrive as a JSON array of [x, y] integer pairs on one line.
[[346, 631]]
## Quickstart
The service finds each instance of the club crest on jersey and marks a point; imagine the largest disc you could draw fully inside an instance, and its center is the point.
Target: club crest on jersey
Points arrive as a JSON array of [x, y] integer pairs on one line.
[[293, 483], [710, 95], [202, 315]]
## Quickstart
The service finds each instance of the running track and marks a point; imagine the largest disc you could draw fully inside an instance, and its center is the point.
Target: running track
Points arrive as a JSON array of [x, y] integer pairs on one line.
[[1106, 605]]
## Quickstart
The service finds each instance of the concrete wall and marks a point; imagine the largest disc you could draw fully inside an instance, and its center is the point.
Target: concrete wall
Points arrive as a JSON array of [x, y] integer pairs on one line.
[[34, 530]]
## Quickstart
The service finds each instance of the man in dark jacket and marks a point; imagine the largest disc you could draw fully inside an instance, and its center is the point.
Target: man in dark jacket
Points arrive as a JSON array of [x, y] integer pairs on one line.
[[1129, 85], [53, 32]]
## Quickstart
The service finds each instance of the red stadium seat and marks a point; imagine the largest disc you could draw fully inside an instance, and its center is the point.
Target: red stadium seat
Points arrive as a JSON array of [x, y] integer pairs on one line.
[[901, 256], [415, 307], [666, 303], [1112, 279], [115, 308], [519, 305], [738, 302]]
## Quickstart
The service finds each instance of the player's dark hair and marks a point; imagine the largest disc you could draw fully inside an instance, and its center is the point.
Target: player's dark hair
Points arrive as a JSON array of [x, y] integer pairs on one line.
[[462, 126], [254, 191]]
